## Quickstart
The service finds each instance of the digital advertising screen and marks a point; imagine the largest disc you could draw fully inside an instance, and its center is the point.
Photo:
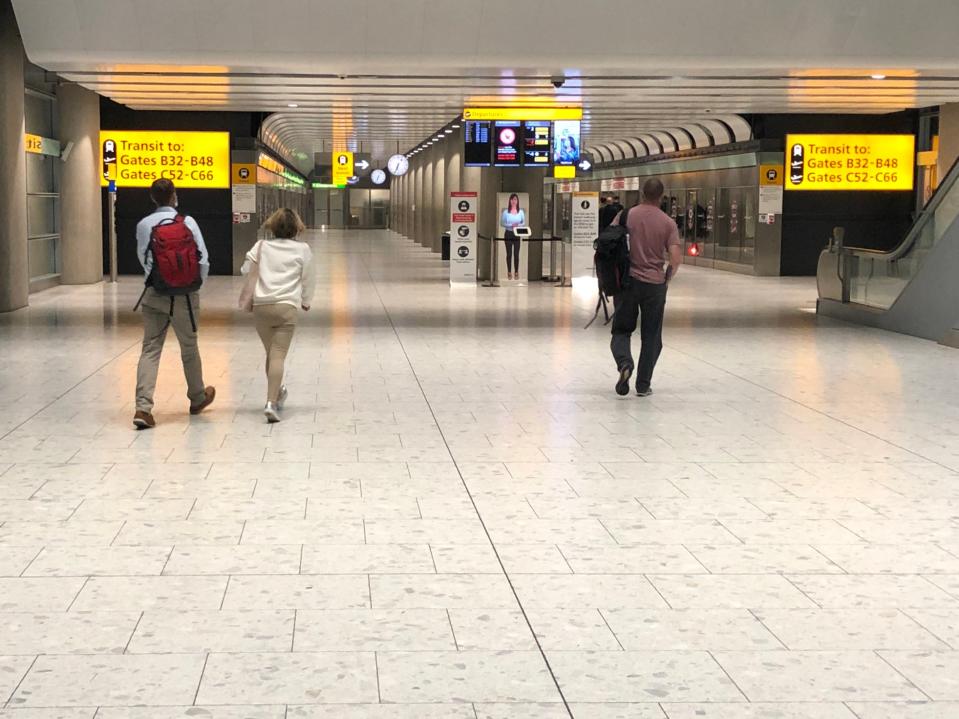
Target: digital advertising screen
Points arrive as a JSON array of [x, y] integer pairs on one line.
[[477, 143], [507, 143], [536, 143], [566, 142]]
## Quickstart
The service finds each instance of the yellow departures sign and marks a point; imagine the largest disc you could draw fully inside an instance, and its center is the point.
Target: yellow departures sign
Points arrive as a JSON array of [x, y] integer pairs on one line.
[[523, 113], [850, 162], [199, 160]]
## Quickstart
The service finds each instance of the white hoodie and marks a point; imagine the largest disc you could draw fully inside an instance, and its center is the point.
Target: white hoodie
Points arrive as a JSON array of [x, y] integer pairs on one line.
[[286, 274]]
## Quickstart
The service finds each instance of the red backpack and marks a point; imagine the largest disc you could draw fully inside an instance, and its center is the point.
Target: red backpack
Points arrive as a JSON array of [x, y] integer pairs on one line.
[[176, 258]]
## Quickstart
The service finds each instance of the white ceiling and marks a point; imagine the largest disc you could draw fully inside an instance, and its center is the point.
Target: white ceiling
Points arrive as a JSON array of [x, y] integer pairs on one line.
[[387, 73]]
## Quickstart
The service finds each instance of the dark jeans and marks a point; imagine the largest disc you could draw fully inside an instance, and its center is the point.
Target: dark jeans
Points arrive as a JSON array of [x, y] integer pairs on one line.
[[512, 252], [646, 302]]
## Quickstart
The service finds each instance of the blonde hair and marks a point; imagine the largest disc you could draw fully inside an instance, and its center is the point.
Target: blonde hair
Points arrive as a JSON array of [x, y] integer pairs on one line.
[[284, 223]]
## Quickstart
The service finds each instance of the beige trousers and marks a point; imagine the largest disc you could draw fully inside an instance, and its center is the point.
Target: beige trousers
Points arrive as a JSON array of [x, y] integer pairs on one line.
[[275, 324], [156, 321]]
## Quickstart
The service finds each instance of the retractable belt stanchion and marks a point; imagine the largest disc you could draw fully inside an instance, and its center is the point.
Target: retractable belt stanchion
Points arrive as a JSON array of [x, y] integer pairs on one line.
[[564, 281], [492, 262]]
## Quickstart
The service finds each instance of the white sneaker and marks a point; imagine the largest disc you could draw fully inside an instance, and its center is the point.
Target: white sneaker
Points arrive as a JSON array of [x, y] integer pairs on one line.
[[281, 400], [272, 412]]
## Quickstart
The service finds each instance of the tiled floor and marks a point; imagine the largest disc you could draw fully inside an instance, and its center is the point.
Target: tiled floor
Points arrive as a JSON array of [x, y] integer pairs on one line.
[[458, 517]]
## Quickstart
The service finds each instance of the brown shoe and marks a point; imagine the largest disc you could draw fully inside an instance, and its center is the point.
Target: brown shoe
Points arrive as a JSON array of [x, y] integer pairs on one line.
[[143, 420], [210, 393]]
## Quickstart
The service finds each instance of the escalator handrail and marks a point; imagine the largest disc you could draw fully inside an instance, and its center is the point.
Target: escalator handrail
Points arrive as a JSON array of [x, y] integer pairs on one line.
[[915, 231]]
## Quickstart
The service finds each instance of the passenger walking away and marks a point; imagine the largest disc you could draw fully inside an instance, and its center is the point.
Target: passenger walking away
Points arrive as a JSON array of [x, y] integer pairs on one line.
[[607, 213], [175, 263], [285, 280], [655, 253]]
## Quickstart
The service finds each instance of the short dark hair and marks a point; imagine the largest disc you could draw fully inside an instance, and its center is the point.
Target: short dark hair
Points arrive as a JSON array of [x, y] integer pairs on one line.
[[653, 189], [162, 192], [615, 198]]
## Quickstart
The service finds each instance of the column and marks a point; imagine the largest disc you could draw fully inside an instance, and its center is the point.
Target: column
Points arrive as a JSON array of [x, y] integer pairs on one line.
[[81, 220], [14, 270], [439, 197], [948, 137], [453, 165], [418, 200], [424, 236]]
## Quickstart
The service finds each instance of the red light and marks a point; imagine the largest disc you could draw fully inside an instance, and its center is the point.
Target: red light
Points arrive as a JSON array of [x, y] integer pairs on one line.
[[694, 250]]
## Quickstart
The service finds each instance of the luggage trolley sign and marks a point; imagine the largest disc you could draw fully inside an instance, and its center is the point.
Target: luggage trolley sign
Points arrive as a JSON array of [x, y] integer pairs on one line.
[[136, 158]]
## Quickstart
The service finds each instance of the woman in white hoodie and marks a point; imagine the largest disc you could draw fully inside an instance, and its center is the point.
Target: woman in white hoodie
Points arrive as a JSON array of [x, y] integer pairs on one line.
[[285, 281]]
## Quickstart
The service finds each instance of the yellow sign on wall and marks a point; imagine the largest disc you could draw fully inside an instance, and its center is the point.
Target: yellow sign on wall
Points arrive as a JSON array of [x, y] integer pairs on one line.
[[342, 167], [33, 143], [189, 159], [850, 162], [523, 113], [244, 174]]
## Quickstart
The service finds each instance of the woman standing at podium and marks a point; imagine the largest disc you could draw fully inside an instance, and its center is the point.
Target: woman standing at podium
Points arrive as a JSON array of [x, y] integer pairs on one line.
[[512, 217]]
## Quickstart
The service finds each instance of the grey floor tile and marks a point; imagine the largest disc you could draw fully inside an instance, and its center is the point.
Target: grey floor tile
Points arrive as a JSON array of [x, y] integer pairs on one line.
[[605, 591], [124, 680], [764, 559], [689, 629], [13, 560], [632, 559], [246, 559], [465, 559], [340, 591], [440, 591], [942, 622], [303, 531], [910, 710], [71, 533], [192, 712], [777, 710], [73, 633], [22, 594], [382, 711], [140, 593], [368, 559], [98, 561], [572, 630], [59, 713], [841, 629], [874, 591], [729, 591], [891, 559], [542, 710], [373, 630], [641, 677], [190, 632], [300, 678], [179, 532], [491, 629], [935, 673], [816, 676], [464, 677], [669, 531], [12, 670]]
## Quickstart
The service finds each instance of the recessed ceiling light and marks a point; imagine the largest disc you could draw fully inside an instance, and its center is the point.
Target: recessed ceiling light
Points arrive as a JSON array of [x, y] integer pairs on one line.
[[292, 104], [455, 126], [448, 132], [878, 76]]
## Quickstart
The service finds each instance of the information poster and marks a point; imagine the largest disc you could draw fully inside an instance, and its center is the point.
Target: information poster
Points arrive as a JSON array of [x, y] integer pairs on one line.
[[342, 163], [850, 162], [477, 143], [585, 228], [770, 190], [507, 143], [464, 207], [190, 159]]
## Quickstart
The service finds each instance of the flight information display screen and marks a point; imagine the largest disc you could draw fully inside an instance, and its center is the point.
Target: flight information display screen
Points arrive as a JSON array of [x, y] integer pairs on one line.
[[477, 143], [536, 143], [507, 143]]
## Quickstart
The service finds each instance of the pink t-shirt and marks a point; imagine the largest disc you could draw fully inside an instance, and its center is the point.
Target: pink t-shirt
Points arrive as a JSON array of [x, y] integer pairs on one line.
[[651, 233]]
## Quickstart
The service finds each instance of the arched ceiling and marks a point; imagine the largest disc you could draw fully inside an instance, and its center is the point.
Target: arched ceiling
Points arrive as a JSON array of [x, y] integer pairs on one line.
[[387, 74]]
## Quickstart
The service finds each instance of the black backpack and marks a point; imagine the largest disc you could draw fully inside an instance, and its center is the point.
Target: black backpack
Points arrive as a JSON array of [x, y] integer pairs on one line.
[[611, 259]]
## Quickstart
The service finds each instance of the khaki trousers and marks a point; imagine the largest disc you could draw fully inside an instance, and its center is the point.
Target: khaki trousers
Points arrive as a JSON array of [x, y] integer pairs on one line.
[[156, 321], [275, 324]]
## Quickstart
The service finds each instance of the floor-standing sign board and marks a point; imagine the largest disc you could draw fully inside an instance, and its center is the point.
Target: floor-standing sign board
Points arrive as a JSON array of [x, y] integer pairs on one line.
[[464, 208], [585, 225]]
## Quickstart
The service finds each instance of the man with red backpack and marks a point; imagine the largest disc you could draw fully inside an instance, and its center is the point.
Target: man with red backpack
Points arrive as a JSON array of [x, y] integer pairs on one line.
[[171, 249]]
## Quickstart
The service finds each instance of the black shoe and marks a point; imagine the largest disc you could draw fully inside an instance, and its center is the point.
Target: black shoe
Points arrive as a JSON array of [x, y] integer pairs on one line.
[[622, 386], [644, 391]]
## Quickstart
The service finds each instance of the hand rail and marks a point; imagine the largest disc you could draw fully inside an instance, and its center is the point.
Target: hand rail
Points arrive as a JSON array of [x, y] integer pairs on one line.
[[927, 212]]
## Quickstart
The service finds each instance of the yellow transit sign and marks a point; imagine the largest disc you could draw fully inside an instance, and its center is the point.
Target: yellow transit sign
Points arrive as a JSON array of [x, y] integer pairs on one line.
[[523, 113], [850, 162], [342, 167], [190, 159]]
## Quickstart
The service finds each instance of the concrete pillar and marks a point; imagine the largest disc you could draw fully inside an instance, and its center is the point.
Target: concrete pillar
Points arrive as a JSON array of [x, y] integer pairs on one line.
[[407, 200], [948, 137], [14, 270], [81, 220], [418, 200], [439, 195], [424, 236]]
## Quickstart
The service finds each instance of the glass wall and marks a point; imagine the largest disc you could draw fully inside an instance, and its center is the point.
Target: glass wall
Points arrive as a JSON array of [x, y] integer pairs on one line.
[[43, 192], [357, 208]]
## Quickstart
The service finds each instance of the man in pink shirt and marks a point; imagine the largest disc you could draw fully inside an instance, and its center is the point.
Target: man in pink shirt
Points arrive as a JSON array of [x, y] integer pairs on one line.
[[655, 253]]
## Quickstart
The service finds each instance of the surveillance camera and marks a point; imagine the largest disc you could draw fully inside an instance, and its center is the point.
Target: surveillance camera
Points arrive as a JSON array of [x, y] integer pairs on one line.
[[558, 81]]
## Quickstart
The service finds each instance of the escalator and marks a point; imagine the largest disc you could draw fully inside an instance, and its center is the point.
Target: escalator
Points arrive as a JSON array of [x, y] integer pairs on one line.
[[914, 288]]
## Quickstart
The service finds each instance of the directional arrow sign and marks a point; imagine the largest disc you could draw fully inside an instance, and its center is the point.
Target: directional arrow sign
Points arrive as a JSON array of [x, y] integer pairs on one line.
[[585, 165], [361, 165]]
